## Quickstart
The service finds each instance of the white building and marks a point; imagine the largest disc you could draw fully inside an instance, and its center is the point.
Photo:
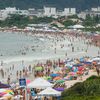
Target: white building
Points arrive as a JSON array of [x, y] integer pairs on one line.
[[59, 13], [32, 12], [82, 15], [10, 10], [3, 15], [5, 12], [66, 12], [22, 12], [49, 11], [69, 11], [73, 11], [93, 12], [95, 9]]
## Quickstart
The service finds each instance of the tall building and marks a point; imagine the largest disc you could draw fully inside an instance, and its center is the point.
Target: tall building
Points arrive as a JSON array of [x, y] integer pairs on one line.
[[4, 13], [69, 11], [49, 11], [73, 11]]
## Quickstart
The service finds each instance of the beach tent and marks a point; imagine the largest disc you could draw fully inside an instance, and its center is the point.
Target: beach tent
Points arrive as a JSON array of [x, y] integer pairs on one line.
[[39, 83], [49, 92]]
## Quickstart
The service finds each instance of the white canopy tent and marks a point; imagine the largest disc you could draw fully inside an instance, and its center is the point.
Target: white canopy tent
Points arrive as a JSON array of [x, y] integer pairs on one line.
[[49, 92], [39, 83]]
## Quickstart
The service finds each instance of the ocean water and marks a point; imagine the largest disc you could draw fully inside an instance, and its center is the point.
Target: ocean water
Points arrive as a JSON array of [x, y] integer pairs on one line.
[[20, 46]]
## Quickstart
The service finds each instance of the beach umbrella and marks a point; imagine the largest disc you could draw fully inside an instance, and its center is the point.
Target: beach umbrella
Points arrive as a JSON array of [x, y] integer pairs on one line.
[[38, 68], [80, 68], [67, 77], [81, 59], [75, 69], [72, 73], [54, 75], [59, 89], [60, 81], [57, 69], [79, 72], [88, 63], [9, 92], [60, 72], [78, 65], [47, 77], [5, 92], [2, 94], [57, 78], [28, 81], [2, 85], [69, 65]]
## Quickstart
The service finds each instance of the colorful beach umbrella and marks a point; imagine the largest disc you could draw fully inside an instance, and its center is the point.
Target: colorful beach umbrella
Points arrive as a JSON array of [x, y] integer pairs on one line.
[[54, 75], [47, 77], [38, 68], [57, 78], [59, 89], [4, 92], [9, 92], [60, 81], [88, 63], [72, 73], [28, 81]]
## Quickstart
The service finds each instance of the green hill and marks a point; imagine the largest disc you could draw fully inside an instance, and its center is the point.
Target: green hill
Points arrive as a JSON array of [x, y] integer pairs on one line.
[[88, 90], [24, 4]]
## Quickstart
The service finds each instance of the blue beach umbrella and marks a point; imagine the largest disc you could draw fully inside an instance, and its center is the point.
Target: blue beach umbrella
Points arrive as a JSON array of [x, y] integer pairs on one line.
[[81, 59], [54, 75], [88, 63], [78, 65]]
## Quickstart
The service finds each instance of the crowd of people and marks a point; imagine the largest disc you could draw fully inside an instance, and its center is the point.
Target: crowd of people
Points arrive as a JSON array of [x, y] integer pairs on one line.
[[53, 70]]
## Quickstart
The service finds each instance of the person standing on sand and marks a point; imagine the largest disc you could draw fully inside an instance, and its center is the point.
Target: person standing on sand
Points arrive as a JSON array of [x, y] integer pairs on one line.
[[98, 52], [20, 74], [8, 80], [72, 49], [13, 67], [17, 75]]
